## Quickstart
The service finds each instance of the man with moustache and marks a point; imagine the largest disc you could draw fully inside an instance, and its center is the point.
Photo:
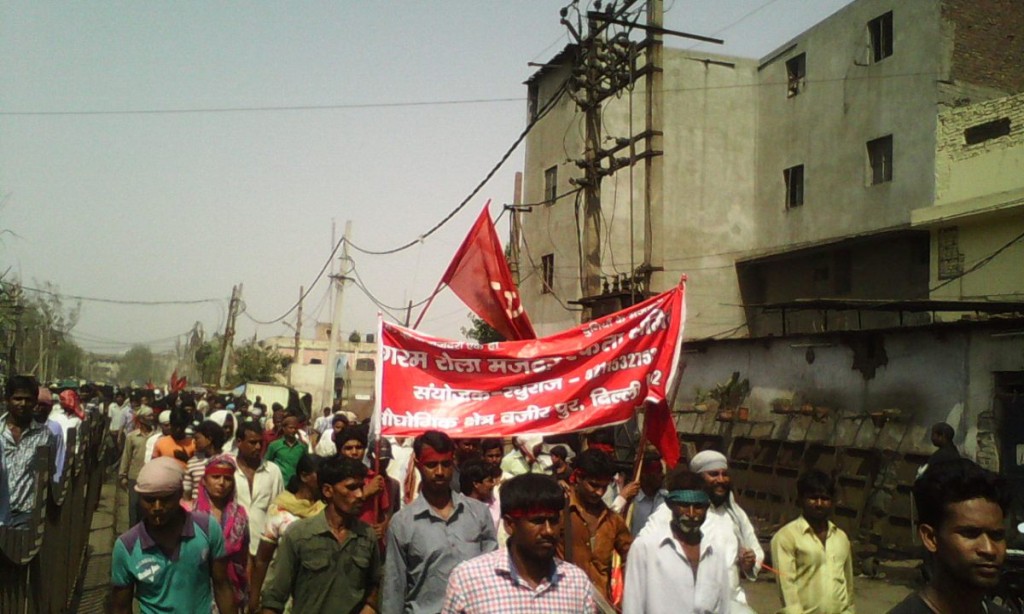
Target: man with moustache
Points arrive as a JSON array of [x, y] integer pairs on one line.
[[813, 555], [169, 560], [961, 510], [726, 523], [433, 534], [20, 435], [328, 562], [527, 577], [674, 567]]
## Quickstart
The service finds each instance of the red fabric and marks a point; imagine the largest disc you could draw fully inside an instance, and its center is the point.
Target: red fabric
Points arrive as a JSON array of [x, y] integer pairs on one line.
[[371, 511], [479, 275], [70, 402], [176, 384], [660, 431], [596, 374]]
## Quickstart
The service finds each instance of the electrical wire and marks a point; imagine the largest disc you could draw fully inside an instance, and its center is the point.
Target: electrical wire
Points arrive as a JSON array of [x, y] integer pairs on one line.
[[112, 301], [262, 109], [977, 265], [309, 288], [550, 104]]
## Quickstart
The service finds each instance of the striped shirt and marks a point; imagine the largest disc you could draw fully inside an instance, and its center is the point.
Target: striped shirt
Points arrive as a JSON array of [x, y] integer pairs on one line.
[[490, 583], [18, 455], [194, 471]]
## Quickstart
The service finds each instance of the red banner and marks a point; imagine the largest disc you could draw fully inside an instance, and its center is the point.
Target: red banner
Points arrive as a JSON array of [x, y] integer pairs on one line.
[[593, 375]]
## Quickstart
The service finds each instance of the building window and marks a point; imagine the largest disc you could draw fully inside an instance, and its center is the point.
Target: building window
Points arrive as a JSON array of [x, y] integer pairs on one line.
[[364, 364], [796, 72], [951, 261], [551, 185], [987, 131], [532, 100], [880, 159], [794, 177], [880, 31], [842, 282], [547, 265]]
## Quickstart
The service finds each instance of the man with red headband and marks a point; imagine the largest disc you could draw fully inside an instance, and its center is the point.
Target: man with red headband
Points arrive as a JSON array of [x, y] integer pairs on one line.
[[527, 577], [433, 534], [592, 532]]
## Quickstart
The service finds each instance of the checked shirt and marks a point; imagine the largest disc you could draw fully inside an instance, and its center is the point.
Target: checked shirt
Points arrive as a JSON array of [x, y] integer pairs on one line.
[[489, 583]]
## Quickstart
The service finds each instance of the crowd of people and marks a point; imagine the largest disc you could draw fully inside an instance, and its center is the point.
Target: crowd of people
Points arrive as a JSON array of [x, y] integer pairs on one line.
[[235, 507]]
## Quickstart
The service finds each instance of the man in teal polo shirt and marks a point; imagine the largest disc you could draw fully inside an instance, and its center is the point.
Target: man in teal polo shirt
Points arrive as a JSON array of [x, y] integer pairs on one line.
[[286, 452], [170, 559]]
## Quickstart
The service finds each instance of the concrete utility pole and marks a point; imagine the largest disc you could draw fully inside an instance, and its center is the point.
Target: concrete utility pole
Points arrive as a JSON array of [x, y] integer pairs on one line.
[[229, 334], [332, 343], [297, 354], [652, 133], [515, 228]]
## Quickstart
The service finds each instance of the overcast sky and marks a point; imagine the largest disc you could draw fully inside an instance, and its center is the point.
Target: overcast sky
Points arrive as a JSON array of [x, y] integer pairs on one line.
[[173, 193]]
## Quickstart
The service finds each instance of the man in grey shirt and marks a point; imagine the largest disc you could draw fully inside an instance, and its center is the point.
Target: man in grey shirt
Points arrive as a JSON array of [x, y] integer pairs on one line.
[[433, 534]]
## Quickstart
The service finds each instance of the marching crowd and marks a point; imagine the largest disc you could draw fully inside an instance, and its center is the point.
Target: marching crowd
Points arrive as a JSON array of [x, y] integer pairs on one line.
[[236, 507]]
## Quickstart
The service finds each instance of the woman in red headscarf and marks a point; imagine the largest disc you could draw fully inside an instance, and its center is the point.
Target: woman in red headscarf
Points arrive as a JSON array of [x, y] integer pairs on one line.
[[217, 498]]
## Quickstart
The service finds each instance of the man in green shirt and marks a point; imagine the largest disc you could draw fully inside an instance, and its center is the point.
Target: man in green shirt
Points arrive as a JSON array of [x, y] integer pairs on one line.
[[329, 562], [286, 452]]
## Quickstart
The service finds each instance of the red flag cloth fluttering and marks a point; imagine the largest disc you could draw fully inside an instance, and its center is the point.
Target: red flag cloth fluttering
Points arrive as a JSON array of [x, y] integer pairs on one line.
[[660, 431], [479, 275]]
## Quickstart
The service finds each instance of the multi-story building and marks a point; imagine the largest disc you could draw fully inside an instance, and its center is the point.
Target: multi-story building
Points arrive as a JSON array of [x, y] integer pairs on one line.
[[827, 169], [849, 212]]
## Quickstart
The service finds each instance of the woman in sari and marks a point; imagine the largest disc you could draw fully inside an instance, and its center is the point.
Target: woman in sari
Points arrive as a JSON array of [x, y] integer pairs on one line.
[[217, 498], [301, 499]]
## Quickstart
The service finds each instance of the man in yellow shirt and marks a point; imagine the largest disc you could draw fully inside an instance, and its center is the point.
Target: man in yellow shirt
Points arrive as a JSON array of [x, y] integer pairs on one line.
[[812, 555]]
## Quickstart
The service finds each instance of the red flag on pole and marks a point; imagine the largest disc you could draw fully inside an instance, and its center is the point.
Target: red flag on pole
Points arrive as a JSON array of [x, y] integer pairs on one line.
[[660, 431], [479, 275]]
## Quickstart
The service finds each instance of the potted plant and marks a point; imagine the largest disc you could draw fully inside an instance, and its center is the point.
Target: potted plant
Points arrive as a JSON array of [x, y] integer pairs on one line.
[[729, 395]]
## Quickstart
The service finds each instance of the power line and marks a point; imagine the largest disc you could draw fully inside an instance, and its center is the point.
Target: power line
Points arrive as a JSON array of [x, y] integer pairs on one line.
[[112, 301], [550, 104], [309, 289], [261, 109]]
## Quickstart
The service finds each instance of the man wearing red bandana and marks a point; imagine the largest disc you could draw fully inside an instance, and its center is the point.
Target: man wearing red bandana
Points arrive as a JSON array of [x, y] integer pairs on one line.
[[433, 534]]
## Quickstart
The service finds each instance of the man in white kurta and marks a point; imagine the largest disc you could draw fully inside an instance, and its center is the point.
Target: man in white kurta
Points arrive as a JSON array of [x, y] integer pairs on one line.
[[726, 524], [673, 567]]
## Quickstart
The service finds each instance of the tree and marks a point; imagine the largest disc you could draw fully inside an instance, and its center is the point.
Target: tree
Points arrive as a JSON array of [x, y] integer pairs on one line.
[[481, 331], [139, 365], [256, 363], [208, 359]]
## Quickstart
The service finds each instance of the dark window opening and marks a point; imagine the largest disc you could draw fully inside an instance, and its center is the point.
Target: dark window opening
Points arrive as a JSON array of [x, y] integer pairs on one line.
[[365, 364], [532, 97], [880, 159], [880, 30], [842, 283], [987, 131], [794, 178], [796, 72], [547, 264], [551, 185]]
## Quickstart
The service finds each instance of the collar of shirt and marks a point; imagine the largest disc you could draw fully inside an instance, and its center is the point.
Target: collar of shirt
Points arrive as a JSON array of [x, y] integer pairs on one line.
[[574, 504], [657, 498], [420, 507], [188, 531], [506, 567], [805, 527], [666, 536], [33, 427]]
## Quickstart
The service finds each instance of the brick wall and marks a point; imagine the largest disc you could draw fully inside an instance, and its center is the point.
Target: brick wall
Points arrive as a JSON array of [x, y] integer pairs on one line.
[[988, 46], [953, 122]]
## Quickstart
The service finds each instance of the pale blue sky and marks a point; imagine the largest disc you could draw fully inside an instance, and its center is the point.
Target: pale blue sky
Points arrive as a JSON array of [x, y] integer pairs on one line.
[[166, 206]]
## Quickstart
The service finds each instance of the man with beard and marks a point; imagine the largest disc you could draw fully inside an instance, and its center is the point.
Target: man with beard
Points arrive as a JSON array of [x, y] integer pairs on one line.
[[674, 567], [813, 555], [433, 534], [328, 562], [528, 577], [169, 560], [726, 523], [960, 512], [20, 435]]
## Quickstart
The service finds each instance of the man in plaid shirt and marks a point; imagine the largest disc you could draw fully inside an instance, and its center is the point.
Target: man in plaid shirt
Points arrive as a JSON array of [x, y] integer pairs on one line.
[[526, 577]]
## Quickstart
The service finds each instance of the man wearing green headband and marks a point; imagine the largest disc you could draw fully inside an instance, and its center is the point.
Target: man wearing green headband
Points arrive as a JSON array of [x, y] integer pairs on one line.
[[672, 567]]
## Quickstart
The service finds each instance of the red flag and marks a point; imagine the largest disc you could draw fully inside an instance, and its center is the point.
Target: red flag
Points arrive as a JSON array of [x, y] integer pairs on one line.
[[660, 431], [480, 276]]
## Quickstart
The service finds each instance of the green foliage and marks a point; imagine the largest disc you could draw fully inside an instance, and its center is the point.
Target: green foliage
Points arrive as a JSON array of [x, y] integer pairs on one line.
[[40, 325], [481, 331], [256, 363], [140, 365], [354, 337], [208, 359]]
